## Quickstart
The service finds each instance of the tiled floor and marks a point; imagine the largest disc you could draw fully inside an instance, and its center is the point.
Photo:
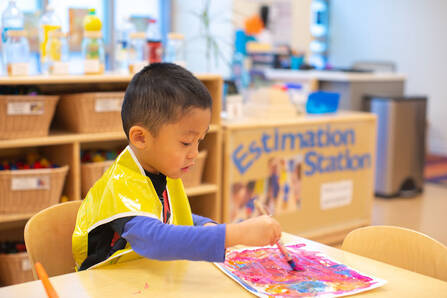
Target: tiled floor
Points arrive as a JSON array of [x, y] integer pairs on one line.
[[426, 213]]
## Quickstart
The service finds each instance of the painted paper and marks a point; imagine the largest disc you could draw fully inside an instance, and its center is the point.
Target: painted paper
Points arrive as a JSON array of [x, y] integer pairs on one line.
[[265, 273]]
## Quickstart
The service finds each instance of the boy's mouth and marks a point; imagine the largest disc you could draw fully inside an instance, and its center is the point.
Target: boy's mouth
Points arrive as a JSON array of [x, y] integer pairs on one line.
[[186, 169]]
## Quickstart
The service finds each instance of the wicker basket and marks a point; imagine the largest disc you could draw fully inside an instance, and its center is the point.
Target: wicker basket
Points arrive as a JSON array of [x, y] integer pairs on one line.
[[23, 116], [91, 112], [194, 176], [28, 191], [15, 268], [91, 172]]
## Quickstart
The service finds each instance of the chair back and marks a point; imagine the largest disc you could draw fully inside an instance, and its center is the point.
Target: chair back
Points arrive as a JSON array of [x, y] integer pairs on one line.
[[48, 238], [399, 247]]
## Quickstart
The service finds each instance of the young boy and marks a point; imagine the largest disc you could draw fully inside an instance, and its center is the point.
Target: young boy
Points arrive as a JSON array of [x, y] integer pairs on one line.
[[139, 206]]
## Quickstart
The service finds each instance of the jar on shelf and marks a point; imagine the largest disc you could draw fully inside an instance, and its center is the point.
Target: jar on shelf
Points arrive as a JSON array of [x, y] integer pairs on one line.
[[137, 52], [57, 52], [17, 53], [175, 49], [93, 52]]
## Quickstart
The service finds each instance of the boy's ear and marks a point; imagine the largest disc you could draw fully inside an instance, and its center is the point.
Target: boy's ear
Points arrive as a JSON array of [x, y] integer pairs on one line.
[[139, 136]]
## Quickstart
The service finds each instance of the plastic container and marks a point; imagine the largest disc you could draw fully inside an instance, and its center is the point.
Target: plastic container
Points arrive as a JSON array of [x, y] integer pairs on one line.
[[17, 53], [56, 61], [93, 52], [12, 19], [93, 45], [322, 102], [175, 49], [122, 46], [319, 18], [49, 22], [137, 52], [155, 48]]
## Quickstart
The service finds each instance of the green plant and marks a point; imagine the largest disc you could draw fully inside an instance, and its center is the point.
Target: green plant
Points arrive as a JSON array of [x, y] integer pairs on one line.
[[213, 42]]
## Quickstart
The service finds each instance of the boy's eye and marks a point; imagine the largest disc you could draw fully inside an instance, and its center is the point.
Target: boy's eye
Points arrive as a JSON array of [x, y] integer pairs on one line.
[[185, 143]]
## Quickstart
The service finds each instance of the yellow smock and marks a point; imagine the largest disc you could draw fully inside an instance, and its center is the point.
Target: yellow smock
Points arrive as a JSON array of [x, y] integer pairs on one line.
[[124, 190]]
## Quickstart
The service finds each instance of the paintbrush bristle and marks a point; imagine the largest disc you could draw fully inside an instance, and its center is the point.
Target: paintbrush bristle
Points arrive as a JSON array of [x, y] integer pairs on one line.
[[294, 266]]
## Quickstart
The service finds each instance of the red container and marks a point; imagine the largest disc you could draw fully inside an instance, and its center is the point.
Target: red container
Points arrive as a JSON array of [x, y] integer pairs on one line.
[[155, 50]]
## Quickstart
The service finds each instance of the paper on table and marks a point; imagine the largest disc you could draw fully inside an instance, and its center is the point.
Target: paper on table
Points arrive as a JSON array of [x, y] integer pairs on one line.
[[263, 272]]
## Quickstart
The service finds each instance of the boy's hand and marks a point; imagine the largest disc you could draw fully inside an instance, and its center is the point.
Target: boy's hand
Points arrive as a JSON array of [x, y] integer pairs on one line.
[[257, 231]]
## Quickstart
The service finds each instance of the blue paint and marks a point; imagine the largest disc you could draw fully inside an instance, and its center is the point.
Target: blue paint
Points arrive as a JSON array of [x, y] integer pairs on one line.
[[346, 272], [309, 286], [341, 269]]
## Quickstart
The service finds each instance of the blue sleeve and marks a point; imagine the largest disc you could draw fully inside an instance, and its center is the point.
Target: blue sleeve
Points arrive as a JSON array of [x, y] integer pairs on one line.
[[153, 239], [200, 220]]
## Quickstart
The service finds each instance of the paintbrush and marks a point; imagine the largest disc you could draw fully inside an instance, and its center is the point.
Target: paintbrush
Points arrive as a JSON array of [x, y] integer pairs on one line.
[[43, 276], [279, 243]]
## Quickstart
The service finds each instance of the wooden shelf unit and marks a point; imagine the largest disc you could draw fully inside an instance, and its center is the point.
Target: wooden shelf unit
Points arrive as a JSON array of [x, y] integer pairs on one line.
[[64, 147]]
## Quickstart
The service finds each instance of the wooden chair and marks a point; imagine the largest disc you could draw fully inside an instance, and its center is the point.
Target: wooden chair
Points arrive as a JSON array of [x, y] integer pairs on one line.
[[48, 238], [399, 247]]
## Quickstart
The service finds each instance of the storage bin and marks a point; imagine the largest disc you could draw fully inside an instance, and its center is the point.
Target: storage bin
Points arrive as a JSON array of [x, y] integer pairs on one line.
[[91, 112], [194, 176], [28, 191], [91, 172], [15, 268], [23, 116]]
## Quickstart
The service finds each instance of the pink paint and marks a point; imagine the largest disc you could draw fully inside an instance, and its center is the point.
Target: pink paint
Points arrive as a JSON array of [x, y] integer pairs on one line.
[[265, 271]]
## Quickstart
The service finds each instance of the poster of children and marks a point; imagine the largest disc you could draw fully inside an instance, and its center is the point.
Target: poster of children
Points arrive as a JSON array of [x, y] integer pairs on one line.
[[280, 191]]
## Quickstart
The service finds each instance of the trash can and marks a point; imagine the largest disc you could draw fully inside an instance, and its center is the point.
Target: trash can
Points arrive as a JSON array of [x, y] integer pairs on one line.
[[401, 125]]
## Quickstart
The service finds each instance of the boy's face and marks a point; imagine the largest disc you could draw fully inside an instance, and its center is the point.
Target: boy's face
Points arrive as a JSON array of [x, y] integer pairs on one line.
[[173, 151]]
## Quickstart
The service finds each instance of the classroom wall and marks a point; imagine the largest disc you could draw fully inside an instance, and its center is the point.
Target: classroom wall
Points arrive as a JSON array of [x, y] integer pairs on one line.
[[410, 32]]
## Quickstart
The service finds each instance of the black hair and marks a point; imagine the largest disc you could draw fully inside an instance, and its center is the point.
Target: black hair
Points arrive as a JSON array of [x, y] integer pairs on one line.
[[159, 94]]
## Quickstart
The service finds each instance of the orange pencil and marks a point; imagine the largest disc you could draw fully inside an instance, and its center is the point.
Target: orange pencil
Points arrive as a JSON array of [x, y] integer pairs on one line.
[[279, 243], [43, 276]]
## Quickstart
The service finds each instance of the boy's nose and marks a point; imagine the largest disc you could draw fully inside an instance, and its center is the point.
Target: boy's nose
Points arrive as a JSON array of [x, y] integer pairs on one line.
[[193, 153]]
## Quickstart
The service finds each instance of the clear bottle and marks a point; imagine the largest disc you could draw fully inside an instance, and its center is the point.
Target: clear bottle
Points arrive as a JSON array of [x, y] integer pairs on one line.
[[93, 52], [154, 46], [175, 49], [48, 22], [17, 53], [57, 50], [137, 52], [93, 45], [12, 19], [319, 18], [122, 45]]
